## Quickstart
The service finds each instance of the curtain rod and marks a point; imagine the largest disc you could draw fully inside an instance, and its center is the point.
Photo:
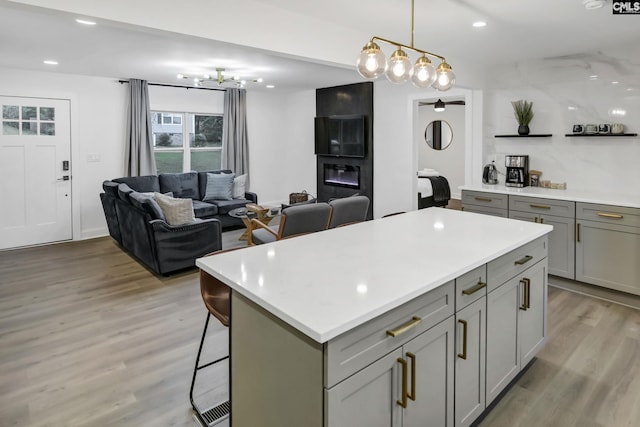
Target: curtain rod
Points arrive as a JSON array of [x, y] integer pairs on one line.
[[178, 86]]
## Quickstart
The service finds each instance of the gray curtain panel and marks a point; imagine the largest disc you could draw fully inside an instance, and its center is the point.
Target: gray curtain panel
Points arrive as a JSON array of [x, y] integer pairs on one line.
[[139, 158], [235, 142]]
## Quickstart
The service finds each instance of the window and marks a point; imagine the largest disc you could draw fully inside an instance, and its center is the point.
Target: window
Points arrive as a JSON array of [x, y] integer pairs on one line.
[[196, 148]]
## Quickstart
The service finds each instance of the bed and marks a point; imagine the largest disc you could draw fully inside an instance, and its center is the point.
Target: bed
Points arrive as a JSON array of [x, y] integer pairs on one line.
[[433, 189]]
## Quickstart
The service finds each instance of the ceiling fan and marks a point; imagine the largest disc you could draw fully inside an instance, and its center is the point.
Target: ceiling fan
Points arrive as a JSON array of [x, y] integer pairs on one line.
[[439, 105], [220, 79]]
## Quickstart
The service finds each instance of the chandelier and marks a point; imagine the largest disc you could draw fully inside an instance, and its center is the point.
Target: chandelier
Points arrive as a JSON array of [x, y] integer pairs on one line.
[[372, 63], [220, 78]]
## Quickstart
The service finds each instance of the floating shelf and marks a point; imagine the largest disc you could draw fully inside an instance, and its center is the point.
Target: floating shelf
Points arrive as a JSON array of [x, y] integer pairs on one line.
[[531, 135], [605, 135]]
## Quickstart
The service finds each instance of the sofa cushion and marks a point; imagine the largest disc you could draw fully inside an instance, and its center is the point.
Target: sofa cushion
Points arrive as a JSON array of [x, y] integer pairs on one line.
[[176, 211], [142, 184], [203, 209], [224, 206], [219, 187], [183, 185], [147, 203], [124, 191], [239, 186], [202, 180]]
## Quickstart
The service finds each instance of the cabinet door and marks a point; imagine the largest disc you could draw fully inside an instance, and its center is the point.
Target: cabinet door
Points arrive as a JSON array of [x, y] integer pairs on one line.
[[433, 404], [532, 324], [503, 358], [561, 245], [470, 362], [368, 398], [607, 255]]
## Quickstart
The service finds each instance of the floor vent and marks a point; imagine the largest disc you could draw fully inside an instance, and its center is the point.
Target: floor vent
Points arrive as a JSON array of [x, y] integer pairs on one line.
[[217, 413]]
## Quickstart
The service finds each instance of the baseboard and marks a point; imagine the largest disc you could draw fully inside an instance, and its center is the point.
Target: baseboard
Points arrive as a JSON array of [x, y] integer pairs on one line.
[[599, 292]]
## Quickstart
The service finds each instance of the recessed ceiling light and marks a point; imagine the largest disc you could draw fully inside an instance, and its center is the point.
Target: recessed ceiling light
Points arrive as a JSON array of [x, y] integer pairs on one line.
[[269, 86], [571, 107], [615, 83], [629, 89], [85, 22], [50, 62], [593, 77], [479, 24], [593, 4]]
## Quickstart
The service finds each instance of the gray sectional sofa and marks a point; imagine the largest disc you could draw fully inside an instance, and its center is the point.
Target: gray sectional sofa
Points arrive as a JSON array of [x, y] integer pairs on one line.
[[135, 221]]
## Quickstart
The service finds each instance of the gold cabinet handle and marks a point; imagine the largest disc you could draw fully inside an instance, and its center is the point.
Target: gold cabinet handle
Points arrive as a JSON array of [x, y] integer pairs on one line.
[[535, 219], [524, 260], [610, 215], [483, 199], [412, 395], [404, 327], [526, 299], [403, 401], [541, 220], [463, 355], [540, 206], [577, 231], [474, 289]]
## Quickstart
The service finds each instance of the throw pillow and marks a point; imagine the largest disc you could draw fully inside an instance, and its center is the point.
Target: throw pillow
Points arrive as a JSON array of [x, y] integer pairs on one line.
[[219, 186], [239, 186], [176, 211]]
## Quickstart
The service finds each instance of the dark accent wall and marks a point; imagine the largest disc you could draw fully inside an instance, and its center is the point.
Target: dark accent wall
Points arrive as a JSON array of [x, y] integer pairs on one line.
[[350, 99]]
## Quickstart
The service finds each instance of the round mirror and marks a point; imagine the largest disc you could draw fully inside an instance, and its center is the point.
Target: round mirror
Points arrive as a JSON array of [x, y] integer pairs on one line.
[[438, 134]]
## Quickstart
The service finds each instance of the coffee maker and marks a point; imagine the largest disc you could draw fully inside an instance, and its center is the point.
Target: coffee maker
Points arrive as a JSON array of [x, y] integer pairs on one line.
[[517, 171]]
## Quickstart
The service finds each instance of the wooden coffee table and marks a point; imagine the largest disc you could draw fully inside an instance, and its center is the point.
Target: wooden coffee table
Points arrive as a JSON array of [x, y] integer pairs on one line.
[[250, 211]]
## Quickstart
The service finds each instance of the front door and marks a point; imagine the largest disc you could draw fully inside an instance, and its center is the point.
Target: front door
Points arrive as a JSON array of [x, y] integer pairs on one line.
[[35, 172]]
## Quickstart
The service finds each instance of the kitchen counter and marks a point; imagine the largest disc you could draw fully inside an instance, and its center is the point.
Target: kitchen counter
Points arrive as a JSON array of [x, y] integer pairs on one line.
[[598, 197], [327, 283]]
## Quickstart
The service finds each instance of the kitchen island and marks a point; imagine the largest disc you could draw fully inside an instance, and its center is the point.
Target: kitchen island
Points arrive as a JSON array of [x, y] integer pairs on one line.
[[365, 325]]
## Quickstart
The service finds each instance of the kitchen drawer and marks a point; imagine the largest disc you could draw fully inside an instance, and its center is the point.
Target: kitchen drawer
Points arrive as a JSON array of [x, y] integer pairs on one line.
[[509, 265], [363, 345], [471, 286], [540, 206], [608, 214], [486, 210], [481, 198]]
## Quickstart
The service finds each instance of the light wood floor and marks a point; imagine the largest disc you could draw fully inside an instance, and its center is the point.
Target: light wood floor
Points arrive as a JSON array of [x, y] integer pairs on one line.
[[89, 337]]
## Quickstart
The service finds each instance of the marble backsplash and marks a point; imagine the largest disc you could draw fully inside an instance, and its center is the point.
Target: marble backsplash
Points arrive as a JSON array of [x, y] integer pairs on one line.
[[583, 89]]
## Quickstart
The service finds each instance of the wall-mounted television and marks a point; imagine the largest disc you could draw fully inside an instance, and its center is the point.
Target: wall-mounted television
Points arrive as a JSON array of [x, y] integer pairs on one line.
[[341, 136]]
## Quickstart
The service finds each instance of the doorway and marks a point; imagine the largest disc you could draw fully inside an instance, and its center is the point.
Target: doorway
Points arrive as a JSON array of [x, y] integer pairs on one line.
[[35, 172]]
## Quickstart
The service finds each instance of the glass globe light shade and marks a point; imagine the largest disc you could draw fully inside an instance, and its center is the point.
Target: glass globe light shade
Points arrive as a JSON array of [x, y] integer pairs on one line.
[[424, 73], [445, 77], [398, 67], [371, 62]]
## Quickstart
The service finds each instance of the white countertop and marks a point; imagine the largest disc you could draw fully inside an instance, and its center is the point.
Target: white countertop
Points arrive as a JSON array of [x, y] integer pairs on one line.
[[598, 197], [326, 283]]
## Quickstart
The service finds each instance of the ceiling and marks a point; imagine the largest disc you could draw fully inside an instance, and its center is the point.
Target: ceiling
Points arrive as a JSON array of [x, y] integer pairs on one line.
[[517, 30]]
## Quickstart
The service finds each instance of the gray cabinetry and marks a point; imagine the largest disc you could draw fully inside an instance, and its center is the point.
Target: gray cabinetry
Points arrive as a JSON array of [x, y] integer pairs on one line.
[[561, 215], [485, 203], [516, 314], [607, 242]]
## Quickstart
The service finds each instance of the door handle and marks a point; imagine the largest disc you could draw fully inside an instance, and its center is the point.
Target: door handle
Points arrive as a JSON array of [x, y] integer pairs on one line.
[[64, 178], [523, 306], [577, 232], [463, 355], [412, 395], [405, 394]]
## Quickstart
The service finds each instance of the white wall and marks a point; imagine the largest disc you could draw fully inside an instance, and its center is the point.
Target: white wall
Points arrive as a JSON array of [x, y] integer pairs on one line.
[[98, 117]]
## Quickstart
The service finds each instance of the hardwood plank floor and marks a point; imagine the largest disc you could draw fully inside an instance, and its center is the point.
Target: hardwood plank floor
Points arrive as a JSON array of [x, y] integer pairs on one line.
[[90, 337]]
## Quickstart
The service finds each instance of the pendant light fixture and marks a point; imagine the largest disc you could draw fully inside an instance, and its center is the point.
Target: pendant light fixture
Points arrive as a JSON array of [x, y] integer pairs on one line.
[[372, 63]]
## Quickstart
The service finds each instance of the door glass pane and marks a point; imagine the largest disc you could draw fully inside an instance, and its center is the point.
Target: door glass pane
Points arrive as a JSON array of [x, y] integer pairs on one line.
[[168, 161], [11, 112], [29, 128], [10, 128], [47, 113], [205, 131], [205, 160], [48, 129], [29, 113]]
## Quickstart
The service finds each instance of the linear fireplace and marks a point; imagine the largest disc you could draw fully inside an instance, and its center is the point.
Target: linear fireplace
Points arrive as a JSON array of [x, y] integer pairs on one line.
[[342, 175]]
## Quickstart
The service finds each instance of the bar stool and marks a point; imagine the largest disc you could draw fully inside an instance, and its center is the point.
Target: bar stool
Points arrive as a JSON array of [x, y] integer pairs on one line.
[[215, 296]]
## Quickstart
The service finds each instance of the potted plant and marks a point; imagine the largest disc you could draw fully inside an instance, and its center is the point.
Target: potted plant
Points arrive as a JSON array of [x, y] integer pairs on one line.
[[523, 110]]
